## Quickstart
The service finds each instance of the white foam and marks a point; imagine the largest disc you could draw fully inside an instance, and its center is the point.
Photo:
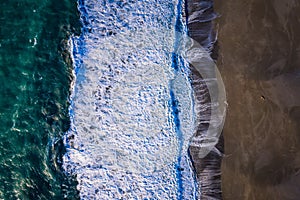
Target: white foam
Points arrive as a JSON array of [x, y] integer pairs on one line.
[[123, 143]]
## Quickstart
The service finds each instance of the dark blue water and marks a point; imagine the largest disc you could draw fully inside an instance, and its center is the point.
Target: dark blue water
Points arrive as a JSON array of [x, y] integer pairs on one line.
[[35, 77]]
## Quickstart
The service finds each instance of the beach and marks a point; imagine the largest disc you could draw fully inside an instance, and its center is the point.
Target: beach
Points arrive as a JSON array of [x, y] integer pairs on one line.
[[259, 62]]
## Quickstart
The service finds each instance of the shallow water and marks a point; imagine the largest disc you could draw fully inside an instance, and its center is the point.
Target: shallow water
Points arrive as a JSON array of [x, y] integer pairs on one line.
[[259, 63], [129, 95]]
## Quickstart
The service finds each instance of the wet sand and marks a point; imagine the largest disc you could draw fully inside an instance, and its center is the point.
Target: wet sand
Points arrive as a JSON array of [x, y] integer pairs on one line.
[[259, 59], [200, 16]]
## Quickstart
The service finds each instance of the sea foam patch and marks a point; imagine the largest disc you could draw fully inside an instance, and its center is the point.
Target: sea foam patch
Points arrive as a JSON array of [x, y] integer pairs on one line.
[[124, 141]]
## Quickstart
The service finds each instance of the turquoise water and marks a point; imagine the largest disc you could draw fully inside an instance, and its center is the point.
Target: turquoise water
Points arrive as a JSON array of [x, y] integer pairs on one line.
[[34, 79]]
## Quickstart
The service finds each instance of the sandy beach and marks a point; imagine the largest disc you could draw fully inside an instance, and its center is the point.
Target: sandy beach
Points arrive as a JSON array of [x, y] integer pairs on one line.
[[259, 43]]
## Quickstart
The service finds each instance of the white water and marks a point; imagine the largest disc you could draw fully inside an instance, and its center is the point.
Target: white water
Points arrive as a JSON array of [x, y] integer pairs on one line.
[[123, 143]]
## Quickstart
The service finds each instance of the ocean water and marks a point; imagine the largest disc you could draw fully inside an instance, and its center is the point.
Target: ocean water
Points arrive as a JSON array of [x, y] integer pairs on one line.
[[35, 81], [125, 134], [96, 102]]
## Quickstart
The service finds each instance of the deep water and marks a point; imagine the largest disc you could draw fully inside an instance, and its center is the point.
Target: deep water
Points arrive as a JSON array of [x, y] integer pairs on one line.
[[35, 74]]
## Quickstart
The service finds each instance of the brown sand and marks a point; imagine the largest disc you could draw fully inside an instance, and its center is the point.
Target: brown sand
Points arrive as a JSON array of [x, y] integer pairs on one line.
[[200, 16], [259, 59]]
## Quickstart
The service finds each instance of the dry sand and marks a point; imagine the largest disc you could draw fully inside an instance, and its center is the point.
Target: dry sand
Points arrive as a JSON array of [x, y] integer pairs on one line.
[[259, 59]]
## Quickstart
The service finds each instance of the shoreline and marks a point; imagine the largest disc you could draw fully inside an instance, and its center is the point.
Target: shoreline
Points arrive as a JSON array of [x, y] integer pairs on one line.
[[199, 18]]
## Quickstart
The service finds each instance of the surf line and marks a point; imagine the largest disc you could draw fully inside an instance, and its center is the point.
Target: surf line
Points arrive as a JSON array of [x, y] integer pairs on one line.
[[206, 147], [179, 65], [78, 48]]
